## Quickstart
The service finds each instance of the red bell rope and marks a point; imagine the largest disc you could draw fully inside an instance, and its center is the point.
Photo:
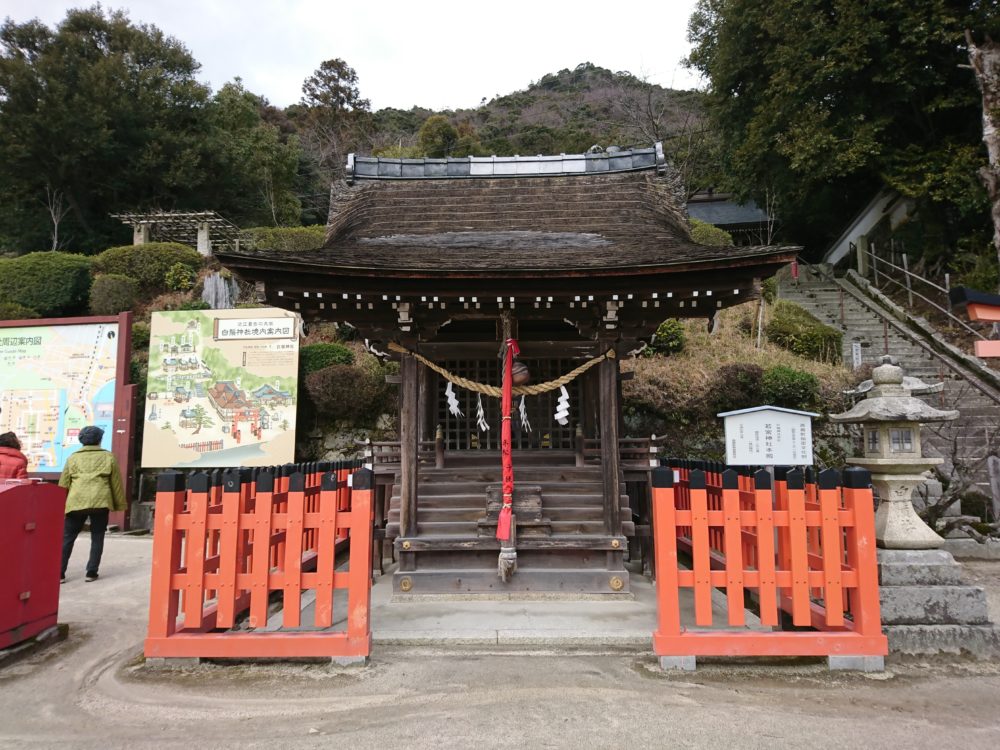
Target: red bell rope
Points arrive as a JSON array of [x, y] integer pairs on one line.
[[506, 399]]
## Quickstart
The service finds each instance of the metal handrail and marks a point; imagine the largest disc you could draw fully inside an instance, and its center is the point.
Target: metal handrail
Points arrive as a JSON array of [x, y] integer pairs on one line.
[[909, 290]]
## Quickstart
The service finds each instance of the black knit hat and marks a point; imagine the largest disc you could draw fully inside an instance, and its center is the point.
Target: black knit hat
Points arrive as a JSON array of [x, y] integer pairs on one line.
[[91, 435]]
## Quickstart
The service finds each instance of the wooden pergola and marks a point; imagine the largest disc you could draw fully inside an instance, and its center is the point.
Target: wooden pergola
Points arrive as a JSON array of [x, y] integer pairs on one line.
[[584, 261]]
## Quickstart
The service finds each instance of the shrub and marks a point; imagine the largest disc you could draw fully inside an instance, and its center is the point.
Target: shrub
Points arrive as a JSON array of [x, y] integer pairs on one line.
[[179, 278], [140, 336], [293, 239], [669, 337], [347, 392], [792, 328], [112, 293], [194, 304], [148, 264], [708, 234], [769, 290], [313, 357], [14, 311], [788, 387], [50, 283], [735, 386]]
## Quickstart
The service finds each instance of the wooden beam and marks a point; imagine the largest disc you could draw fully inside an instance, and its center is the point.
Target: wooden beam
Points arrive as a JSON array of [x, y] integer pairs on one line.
[[610, 461], [408, 437]]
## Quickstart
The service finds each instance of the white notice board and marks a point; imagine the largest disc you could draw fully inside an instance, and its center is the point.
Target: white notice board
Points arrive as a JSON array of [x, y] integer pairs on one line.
[[768, 436]]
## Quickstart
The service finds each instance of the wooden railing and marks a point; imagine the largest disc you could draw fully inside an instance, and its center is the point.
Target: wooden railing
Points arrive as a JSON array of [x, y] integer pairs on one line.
[[225, 542], [803, 548]]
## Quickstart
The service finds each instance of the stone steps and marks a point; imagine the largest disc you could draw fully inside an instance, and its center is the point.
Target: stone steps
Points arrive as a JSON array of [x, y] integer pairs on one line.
[[980, 414]]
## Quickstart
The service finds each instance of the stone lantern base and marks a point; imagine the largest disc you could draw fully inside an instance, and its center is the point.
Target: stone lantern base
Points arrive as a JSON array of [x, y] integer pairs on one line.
[[927, 608], [897, 525]]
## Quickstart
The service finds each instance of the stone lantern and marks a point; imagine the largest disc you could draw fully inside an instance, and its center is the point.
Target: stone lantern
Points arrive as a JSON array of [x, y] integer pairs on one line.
[[891, 417]]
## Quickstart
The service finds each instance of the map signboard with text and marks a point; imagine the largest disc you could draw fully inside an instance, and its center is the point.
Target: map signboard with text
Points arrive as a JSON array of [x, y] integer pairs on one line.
[[768, 436], [222, 388], [56, 377]]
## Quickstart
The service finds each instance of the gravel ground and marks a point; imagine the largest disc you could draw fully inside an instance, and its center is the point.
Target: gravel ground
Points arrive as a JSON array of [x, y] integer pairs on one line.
[[92, 691]]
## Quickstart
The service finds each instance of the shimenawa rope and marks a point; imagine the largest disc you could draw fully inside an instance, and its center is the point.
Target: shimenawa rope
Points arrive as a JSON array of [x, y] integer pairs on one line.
[[494, 391]]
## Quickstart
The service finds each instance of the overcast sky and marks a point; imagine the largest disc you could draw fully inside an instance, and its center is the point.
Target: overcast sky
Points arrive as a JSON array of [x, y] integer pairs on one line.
[[446, 54]]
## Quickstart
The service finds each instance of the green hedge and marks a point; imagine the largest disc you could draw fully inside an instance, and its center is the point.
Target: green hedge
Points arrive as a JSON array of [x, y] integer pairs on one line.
[[112, 293], [669, 337], [790, 388], [348, 392], [291, 239], [14, 311], [708, 234], [148, 264], [313, 357], [50, 283], [792, 328]]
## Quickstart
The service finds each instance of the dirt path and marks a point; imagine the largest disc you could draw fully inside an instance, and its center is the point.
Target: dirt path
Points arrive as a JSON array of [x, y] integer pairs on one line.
[[92, 692]]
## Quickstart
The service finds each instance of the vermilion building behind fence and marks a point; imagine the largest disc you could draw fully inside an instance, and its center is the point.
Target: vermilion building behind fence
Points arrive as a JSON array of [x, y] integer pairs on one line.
[[806, 549], [226, 543]]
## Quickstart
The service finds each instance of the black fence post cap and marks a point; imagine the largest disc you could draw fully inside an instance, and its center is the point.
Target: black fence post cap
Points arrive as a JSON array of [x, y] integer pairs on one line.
[[696, 479], [265, 480], [363, 479], [663, 476], [762, 480], [170, 481], [730, 479]]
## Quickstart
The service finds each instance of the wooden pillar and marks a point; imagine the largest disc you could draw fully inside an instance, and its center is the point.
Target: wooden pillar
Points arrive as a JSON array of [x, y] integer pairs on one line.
[[408, 436], [425, 398], [610, 460]]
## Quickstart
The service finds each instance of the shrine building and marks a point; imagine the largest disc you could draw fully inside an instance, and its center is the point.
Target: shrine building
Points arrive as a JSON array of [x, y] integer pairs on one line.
[[436, 262]]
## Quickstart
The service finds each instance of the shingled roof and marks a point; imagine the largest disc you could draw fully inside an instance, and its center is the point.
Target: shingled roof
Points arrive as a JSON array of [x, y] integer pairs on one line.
[[478, 217]]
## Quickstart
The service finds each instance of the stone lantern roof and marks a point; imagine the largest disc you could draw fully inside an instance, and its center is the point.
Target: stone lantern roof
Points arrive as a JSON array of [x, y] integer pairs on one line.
[[889, 399]]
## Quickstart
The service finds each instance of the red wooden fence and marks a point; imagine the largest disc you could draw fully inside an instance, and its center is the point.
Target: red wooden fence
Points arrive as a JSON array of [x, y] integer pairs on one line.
[[806, 549], [225, 544]]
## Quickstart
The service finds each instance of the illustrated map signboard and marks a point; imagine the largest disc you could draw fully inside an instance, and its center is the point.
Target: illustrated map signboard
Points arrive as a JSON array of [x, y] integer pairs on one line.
[[768, 436], [57, 377], [222, 388]]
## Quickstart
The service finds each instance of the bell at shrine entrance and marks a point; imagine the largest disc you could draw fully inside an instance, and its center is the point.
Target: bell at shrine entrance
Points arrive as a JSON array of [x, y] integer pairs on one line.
[[520, 374]]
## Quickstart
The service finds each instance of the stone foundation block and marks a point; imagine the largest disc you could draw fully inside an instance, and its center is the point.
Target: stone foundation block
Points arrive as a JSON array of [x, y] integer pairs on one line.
[[980, 641], [173, 662], [856, 663], [933, 605], [682, 663], [930, 567]]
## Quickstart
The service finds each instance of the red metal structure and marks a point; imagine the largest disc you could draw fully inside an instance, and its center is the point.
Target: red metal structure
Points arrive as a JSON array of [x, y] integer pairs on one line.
[[30, 545], [806, 549], [225, 543]]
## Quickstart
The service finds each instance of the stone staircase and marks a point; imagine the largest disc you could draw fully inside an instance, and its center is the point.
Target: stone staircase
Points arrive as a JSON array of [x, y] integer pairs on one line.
[[838, 304]]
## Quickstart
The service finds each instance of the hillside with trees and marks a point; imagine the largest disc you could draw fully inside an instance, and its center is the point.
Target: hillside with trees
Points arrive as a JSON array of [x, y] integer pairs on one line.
[[102, 114]]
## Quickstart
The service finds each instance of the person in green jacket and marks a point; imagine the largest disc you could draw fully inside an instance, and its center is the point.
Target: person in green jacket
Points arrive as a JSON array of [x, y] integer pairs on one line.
[[94, 483]]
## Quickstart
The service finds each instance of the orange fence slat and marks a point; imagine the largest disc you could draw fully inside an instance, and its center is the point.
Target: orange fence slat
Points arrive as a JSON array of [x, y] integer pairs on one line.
[[292, 562], [227, 553], [163, 601], [195, 541], [665, 541], [261, 551], [327, 547], [799, 552], [700, 549], [833, 593], [866, 608], [767, 592], [733, 548]]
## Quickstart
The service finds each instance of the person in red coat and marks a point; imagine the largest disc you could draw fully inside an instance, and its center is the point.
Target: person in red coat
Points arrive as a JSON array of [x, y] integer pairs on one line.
[[13, 463]]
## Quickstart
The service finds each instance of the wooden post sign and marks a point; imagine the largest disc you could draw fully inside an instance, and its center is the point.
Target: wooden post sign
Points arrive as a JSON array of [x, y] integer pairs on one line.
[[768, 436]]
